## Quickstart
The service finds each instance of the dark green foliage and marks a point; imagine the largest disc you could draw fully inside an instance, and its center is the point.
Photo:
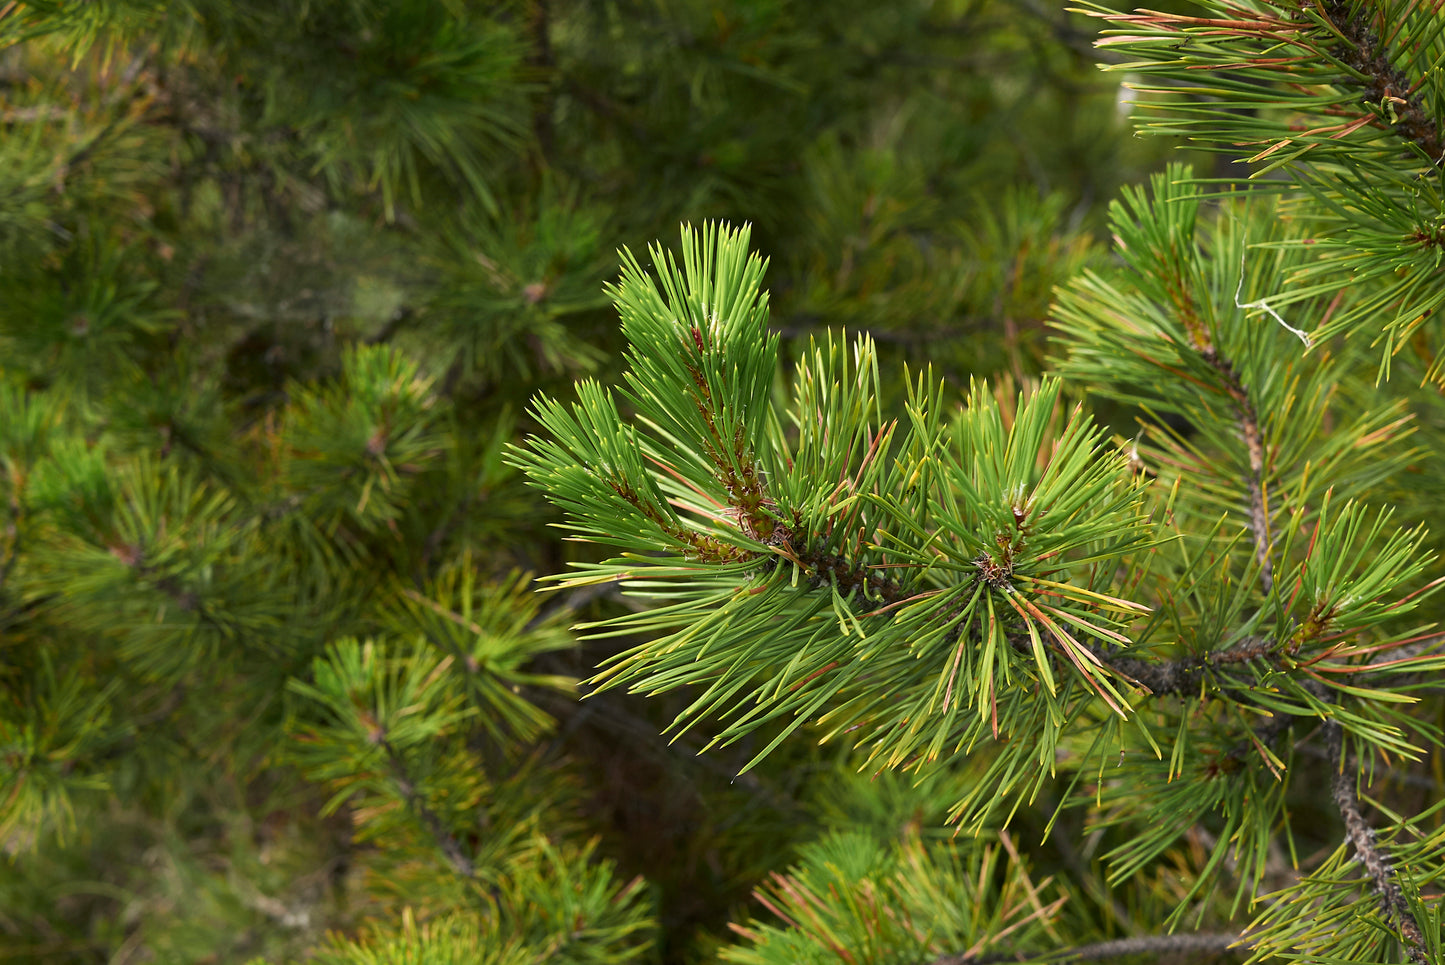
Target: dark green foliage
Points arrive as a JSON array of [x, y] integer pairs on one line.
[[276, 283], [293, 296]]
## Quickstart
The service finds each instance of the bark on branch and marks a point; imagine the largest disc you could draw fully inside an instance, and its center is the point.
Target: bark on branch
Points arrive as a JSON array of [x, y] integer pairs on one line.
[[1183, 677], [450, 847], [1103, 951], [1383, 881], [1366, 52], [1248, 420]]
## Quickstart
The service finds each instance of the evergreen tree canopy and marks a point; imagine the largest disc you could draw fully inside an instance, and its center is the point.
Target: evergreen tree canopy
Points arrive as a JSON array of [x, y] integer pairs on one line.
[[961, 546]]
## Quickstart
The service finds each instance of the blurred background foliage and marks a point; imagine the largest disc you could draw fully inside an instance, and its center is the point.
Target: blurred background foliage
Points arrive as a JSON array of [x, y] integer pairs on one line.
[[277, 281]]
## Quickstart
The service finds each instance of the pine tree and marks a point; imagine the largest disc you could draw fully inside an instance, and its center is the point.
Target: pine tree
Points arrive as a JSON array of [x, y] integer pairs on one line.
[[999, 597], [974, 676], [276, 283]]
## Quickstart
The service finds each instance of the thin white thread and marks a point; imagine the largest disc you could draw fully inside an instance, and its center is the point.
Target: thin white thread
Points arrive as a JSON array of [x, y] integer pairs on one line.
[[1261, 303]]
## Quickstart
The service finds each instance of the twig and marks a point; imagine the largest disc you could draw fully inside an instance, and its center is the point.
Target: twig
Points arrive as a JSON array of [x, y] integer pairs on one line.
[[450, 847], [1362, 836], [848, 576], [1369, 54], [393, 325], [1184, 675], [1092, 883], [1254, 445], [1197, 331], [1117, 948]]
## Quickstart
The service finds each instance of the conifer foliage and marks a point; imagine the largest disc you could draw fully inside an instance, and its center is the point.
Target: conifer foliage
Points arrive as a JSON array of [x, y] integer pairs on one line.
[[277, 281], [814, 555], [1162, 623], [1024, 597]]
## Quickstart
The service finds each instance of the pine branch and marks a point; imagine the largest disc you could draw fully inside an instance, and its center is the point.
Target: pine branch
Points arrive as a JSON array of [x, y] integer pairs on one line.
[[1368, 53], [1248, 420], [1335, 49], [848, 576], [1197, 336], [450, 847], [1183, 676], [1377, 863], [735, 463], [1117, 948], [706, 548]]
